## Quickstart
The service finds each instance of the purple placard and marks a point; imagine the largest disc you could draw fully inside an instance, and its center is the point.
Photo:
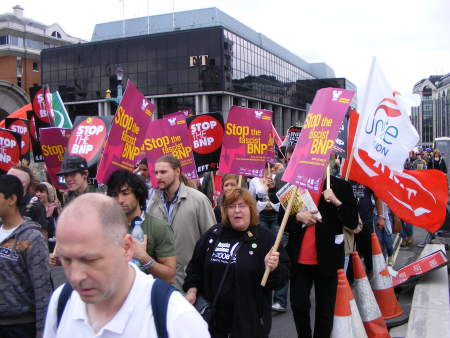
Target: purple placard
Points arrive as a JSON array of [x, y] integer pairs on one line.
[[311, 154], [53, 144], [245, 146], [123, 147], [169, 136]]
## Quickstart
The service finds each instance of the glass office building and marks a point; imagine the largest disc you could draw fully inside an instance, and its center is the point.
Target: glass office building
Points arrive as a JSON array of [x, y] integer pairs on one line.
[[203, 60], [432, 117]]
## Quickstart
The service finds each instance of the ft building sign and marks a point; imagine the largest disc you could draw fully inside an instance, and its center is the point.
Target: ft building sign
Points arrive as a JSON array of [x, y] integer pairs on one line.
[[200, 60]]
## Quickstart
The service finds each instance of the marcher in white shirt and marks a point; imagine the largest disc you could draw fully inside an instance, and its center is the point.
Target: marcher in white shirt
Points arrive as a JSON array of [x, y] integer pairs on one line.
[[111, 297]]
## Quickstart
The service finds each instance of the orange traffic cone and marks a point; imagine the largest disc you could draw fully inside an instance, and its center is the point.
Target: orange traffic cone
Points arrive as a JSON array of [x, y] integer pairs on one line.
[[357, 323], [381, 282], [367, 304], [343, 323]]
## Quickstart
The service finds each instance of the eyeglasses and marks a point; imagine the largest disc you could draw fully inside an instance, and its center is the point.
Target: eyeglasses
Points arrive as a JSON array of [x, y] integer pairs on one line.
[[238, 206]]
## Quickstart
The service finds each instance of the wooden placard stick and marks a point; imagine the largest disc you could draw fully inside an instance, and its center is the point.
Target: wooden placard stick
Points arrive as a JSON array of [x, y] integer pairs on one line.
[[212, 182], [328, 177], [280, 232], [240, 181]]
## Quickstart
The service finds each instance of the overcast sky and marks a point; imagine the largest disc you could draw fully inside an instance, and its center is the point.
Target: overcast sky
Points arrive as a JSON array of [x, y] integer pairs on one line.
[[411, 39]]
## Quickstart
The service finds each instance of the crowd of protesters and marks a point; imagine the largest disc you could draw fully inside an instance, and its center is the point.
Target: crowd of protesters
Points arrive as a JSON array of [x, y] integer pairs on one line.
[[212, 249]]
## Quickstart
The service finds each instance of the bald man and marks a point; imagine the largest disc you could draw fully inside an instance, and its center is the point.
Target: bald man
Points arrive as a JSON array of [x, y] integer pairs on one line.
[[30, 206], [111, 297]]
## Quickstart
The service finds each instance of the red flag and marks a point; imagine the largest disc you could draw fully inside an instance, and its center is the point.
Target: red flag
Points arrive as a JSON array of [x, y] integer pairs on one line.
[[21, 113], [276, 137], [42, 107], [418, 197]]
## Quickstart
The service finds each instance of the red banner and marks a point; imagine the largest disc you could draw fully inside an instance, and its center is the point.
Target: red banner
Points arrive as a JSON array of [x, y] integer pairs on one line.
[[54, 143], [9, 149], [246, 142], [431, 262], [418, 197]]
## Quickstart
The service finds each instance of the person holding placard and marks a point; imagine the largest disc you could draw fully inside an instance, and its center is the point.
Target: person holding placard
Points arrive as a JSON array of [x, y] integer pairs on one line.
[[316, 249], [226, 268], [268, 217]]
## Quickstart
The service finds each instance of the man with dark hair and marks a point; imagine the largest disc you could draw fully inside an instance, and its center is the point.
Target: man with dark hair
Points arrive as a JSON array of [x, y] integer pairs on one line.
[[130, 191], [30, 206], [106, 295], [187, 210], [75, 172], [24, 272]]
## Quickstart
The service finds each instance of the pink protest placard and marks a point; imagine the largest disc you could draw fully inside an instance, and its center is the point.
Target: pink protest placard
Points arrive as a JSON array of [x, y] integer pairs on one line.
[[185, 113], [311, 154], [169, 136], [123, 147], [53, 144], [245, 146]]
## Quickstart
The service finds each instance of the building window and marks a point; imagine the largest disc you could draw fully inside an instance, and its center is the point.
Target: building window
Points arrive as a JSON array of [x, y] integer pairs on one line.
[[56, 34], [35, 67], [4, 40], [19, 66]]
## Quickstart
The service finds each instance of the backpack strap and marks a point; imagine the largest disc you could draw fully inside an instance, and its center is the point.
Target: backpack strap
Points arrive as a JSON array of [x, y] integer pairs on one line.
[[161, 292], [62, 301]]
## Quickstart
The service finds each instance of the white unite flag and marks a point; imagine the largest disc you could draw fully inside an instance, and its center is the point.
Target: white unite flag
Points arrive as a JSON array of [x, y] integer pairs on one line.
[[385, 130]]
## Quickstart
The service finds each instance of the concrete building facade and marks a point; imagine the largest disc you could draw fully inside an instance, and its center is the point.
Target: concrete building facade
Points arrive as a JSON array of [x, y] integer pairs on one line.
[[432, 117], [203, 60], [21, 42]]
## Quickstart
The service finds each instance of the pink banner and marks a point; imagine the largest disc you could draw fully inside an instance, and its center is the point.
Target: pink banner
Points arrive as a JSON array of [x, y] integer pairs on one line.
[[53, 144], [123, 147], [245, 146], [311, 154], [185, 113], [169, 136]]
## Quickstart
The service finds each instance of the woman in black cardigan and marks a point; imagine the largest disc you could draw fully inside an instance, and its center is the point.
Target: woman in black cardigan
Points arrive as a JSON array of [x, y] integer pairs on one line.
[[244, 306]]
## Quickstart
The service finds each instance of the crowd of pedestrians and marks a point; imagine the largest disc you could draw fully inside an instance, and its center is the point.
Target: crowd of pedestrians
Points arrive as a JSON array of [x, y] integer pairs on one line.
[[212, 249]]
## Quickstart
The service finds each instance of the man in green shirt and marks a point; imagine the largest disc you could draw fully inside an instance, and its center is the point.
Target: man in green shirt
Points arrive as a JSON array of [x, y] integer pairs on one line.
[[156, 254]]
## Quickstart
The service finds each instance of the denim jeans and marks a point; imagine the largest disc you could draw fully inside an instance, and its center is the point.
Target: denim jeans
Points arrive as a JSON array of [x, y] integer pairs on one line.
[[270, 221], [385, 240], [407, 230]]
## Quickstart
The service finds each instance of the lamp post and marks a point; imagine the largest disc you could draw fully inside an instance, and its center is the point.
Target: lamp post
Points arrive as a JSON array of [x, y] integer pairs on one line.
[[119, 78]]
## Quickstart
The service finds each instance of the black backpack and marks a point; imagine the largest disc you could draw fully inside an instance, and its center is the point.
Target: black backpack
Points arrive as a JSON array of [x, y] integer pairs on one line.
[[160, 294]]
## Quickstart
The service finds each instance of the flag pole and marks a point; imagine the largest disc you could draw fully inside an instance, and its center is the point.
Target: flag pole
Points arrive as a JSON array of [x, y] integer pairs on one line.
[[349, 165], [123, 18], [148, 16], [280, 232], [364, 105]]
